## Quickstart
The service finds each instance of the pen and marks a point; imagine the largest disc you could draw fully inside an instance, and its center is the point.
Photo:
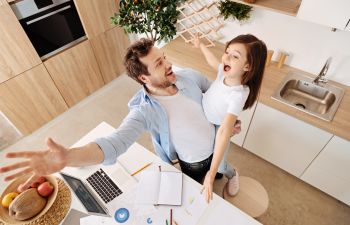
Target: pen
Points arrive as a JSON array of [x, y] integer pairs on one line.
[[139, 170], [171, 216]]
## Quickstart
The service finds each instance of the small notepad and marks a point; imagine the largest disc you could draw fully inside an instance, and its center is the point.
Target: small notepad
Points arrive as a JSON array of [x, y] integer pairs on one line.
[[160, 188]]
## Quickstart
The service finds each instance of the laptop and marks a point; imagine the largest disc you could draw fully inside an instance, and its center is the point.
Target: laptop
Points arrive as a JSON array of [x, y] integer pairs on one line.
[[99, 191]]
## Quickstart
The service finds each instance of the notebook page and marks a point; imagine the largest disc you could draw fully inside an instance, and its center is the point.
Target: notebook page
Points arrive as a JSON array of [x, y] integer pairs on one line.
[[148, 188], [170, 188]]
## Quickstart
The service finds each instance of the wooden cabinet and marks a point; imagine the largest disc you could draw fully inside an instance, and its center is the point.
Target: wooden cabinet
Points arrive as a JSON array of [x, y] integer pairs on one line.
[[330, 13], [75, 72], [109, 49], [245, 117], [31, 99], [330, 170], [16, 51], [283, 140], [95, 15]]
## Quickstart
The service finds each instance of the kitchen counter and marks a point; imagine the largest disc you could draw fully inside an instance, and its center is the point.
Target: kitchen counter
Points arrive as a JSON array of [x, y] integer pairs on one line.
[[183, 55]]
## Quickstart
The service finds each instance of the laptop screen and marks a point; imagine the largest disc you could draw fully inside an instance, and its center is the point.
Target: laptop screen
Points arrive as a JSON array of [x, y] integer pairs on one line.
[[85, 197]]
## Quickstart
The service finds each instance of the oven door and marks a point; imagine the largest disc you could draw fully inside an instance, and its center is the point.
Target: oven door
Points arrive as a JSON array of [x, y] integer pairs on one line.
[[54, 29]]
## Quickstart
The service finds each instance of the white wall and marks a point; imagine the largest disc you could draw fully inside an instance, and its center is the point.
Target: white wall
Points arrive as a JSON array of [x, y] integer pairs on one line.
[[308, 44]]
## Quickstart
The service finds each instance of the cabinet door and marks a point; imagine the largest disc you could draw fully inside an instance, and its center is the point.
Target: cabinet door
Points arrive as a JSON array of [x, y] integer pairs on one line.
[[31, 99], [95, 15], [283, 140], [75, 72], [16, 51], [245, 117], [330, 13], [330, 170], [109, 49]]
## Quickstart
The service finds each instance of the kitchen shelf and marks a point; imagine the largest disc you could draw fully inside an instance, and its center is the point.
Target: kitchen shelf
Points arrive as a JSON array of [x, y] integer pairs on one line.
[[289, 7]]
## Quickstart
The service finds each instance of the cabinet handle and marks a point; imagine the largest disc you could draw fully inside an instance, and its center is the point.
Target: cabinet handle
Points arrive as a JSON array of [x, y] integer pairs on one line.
[[47, 15]]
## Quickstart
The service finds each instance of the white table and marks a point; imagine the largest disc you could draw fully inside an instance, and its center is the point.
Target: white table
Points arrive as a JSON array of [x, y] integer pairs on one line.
[[219, 211]]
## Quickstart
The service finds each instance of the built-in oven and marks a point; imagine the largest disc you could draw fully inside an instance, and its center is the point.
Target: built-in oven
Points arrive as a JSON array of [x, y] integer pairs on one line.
[[51, 25]]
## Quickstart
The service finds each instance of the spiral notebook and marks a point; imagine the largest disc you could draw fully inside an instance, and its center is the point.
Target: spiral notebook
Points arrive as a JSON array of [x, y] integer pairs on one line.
[[160, 188]]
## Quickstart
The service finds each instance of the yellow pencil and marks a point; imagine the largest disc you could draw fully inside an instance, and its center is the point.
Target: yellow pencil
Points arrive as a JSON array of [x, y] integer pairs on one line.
[[142, 168]]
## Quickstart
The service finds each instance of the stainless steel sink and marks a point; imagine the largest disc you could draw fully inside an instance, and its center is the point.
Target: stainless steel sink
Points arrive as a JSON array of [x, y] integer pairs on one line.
[[300, 92]]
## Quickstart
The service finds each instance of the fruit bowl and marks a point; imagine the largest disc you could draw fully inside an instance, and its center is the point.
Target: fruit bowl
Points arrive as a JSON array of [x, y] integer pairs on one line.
[[12, 187]]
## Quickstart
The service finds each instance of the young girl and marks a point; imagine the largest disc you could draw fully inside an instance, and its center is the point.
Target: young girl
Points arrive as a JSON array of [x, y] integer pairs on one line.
[[235, 89]]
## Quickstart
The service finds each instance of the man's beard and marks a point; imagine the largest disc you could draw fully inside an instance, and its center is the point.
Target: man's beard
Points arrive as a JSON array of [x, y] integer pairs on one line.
[[163, 85]]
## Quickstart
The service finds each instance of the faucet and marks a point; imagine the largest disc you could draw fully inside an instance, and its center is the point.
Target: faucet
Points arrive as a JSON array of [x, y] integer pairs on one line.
[[321, 76]]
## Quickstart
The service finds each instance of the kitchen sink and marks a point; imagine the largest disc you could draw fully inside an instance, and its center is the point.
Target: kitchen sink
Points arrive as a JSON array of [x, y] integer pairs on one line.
[[299, 91]]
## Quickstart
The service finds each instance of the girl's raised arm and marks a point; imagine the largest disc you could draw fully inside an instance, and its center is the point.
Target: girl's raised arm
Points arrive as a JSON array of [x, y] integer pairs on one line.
[[209, 56]]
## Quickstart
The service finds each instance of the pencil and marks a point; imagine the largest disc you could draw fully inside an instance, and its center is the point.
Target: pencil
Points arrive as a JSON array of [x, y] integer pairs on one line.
[[171, 216], [142, 168]]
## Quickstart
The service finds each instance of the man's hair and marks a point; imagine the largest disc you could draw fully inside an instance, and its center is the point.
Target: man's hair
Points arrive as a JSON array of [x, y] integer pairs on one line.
[[134, 67], [256, 57]]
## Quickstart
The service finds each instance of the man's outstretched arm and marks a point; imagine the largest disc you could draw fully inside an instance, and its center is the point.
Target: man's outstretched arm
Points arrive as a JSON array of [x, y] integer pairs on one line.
[[51, 160]]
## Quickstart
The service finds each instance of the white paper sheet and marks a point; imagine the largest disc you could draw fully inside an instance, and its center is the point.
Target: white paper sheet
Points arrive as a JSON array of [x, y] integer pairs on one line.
[[136, 158], [93, 220]]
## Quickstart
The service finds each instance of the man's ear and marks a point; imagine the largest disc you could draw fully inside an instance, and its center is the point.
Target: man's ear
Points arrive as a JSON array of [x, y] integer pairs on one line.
[[143, 78]]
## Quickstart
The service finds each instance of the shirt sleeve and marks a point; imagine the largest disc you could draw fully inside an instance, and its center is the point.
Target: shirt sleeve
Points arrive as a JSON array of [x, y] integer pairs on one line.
[[123, 137], [220, 71], [236, 103], [202, 82]]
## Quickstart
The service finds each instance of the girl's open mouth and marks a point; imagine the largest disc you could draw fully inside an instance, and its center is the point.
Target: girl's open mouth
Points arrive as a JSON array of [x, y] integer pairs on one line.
[[227, 68]]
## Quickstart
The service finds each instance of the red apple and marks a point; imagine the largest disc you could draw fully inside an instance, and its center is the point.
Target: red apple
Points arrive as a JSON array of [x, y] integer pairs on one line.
[[45, 189], [38, 182]]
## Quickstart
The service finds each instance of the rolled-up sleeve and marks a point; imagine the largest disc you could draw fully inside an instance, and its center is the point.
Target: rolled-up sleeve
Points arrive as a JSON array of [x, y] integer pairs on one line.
[[123, 137]]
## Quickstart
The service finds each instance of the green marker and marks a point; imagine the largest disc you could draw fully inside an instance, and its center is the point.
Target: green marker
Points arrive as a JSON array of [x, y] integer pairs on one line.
[[166, 221]]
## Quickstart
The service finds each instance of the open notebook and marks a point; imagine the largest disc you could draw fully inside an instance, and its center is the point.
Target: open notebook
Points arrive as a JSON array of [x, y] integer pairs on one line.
[[160, 188]]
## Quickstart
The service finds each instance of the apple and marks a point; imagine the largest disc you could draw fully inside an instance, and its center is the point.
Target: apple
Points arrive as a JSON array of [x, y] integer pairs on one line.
[[8, 198], [45, 189], [38, 182]]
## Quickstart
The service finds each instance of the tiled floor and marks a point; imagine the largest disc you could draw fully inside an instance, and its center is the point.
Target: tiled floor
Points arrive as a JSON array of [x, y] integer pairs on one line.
[[291, 200]]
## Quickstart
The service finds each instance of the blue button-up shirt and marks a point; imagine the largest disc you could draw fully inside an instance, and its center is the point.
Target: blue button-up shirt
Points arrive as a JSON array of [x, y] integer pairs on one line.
[[146, 114]]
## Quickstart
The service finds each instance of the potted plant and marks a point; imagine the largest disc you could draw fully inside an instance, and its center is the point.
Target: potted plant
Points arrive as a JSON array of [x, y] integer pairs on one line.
[[154, 18], [236, 10]]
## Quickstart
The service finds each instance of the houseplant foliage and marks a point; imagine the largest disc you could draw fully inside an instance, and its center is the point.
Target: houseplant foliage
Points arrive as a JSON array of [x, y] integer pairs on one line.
[[155, 18], [236, 10]]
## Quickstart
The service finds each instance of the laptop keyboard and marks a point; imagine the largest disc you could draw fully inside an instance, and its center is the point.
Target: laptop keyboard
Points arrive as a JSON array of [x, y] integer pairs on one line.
[[104, 186]]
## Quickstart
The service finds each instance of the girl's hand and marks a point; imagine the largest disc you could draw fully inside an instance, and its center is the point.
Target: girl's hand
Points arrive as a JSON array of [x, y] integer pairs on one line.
[[208, 186], [196, 41]]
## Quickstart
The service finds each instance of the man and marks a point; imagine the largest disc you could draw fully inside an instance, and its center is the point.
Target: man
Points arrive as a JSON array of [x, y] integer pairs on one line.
[[168, 106]]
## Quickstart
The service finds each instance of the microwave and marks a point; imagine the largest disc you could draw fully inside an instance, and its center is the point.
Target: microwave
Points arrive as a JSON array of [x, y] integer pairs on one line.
[[51, 25]]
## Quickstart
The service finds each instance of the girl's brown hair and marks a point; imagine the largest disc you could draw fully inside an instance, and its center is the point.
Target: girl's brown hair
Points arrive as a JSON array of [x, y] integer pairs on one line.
[[256, 57]]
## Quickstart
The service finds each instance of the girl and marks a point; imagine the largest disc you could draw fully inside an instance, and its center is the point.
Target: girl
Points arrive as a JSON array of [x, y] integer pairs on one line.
[[235, 89]]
